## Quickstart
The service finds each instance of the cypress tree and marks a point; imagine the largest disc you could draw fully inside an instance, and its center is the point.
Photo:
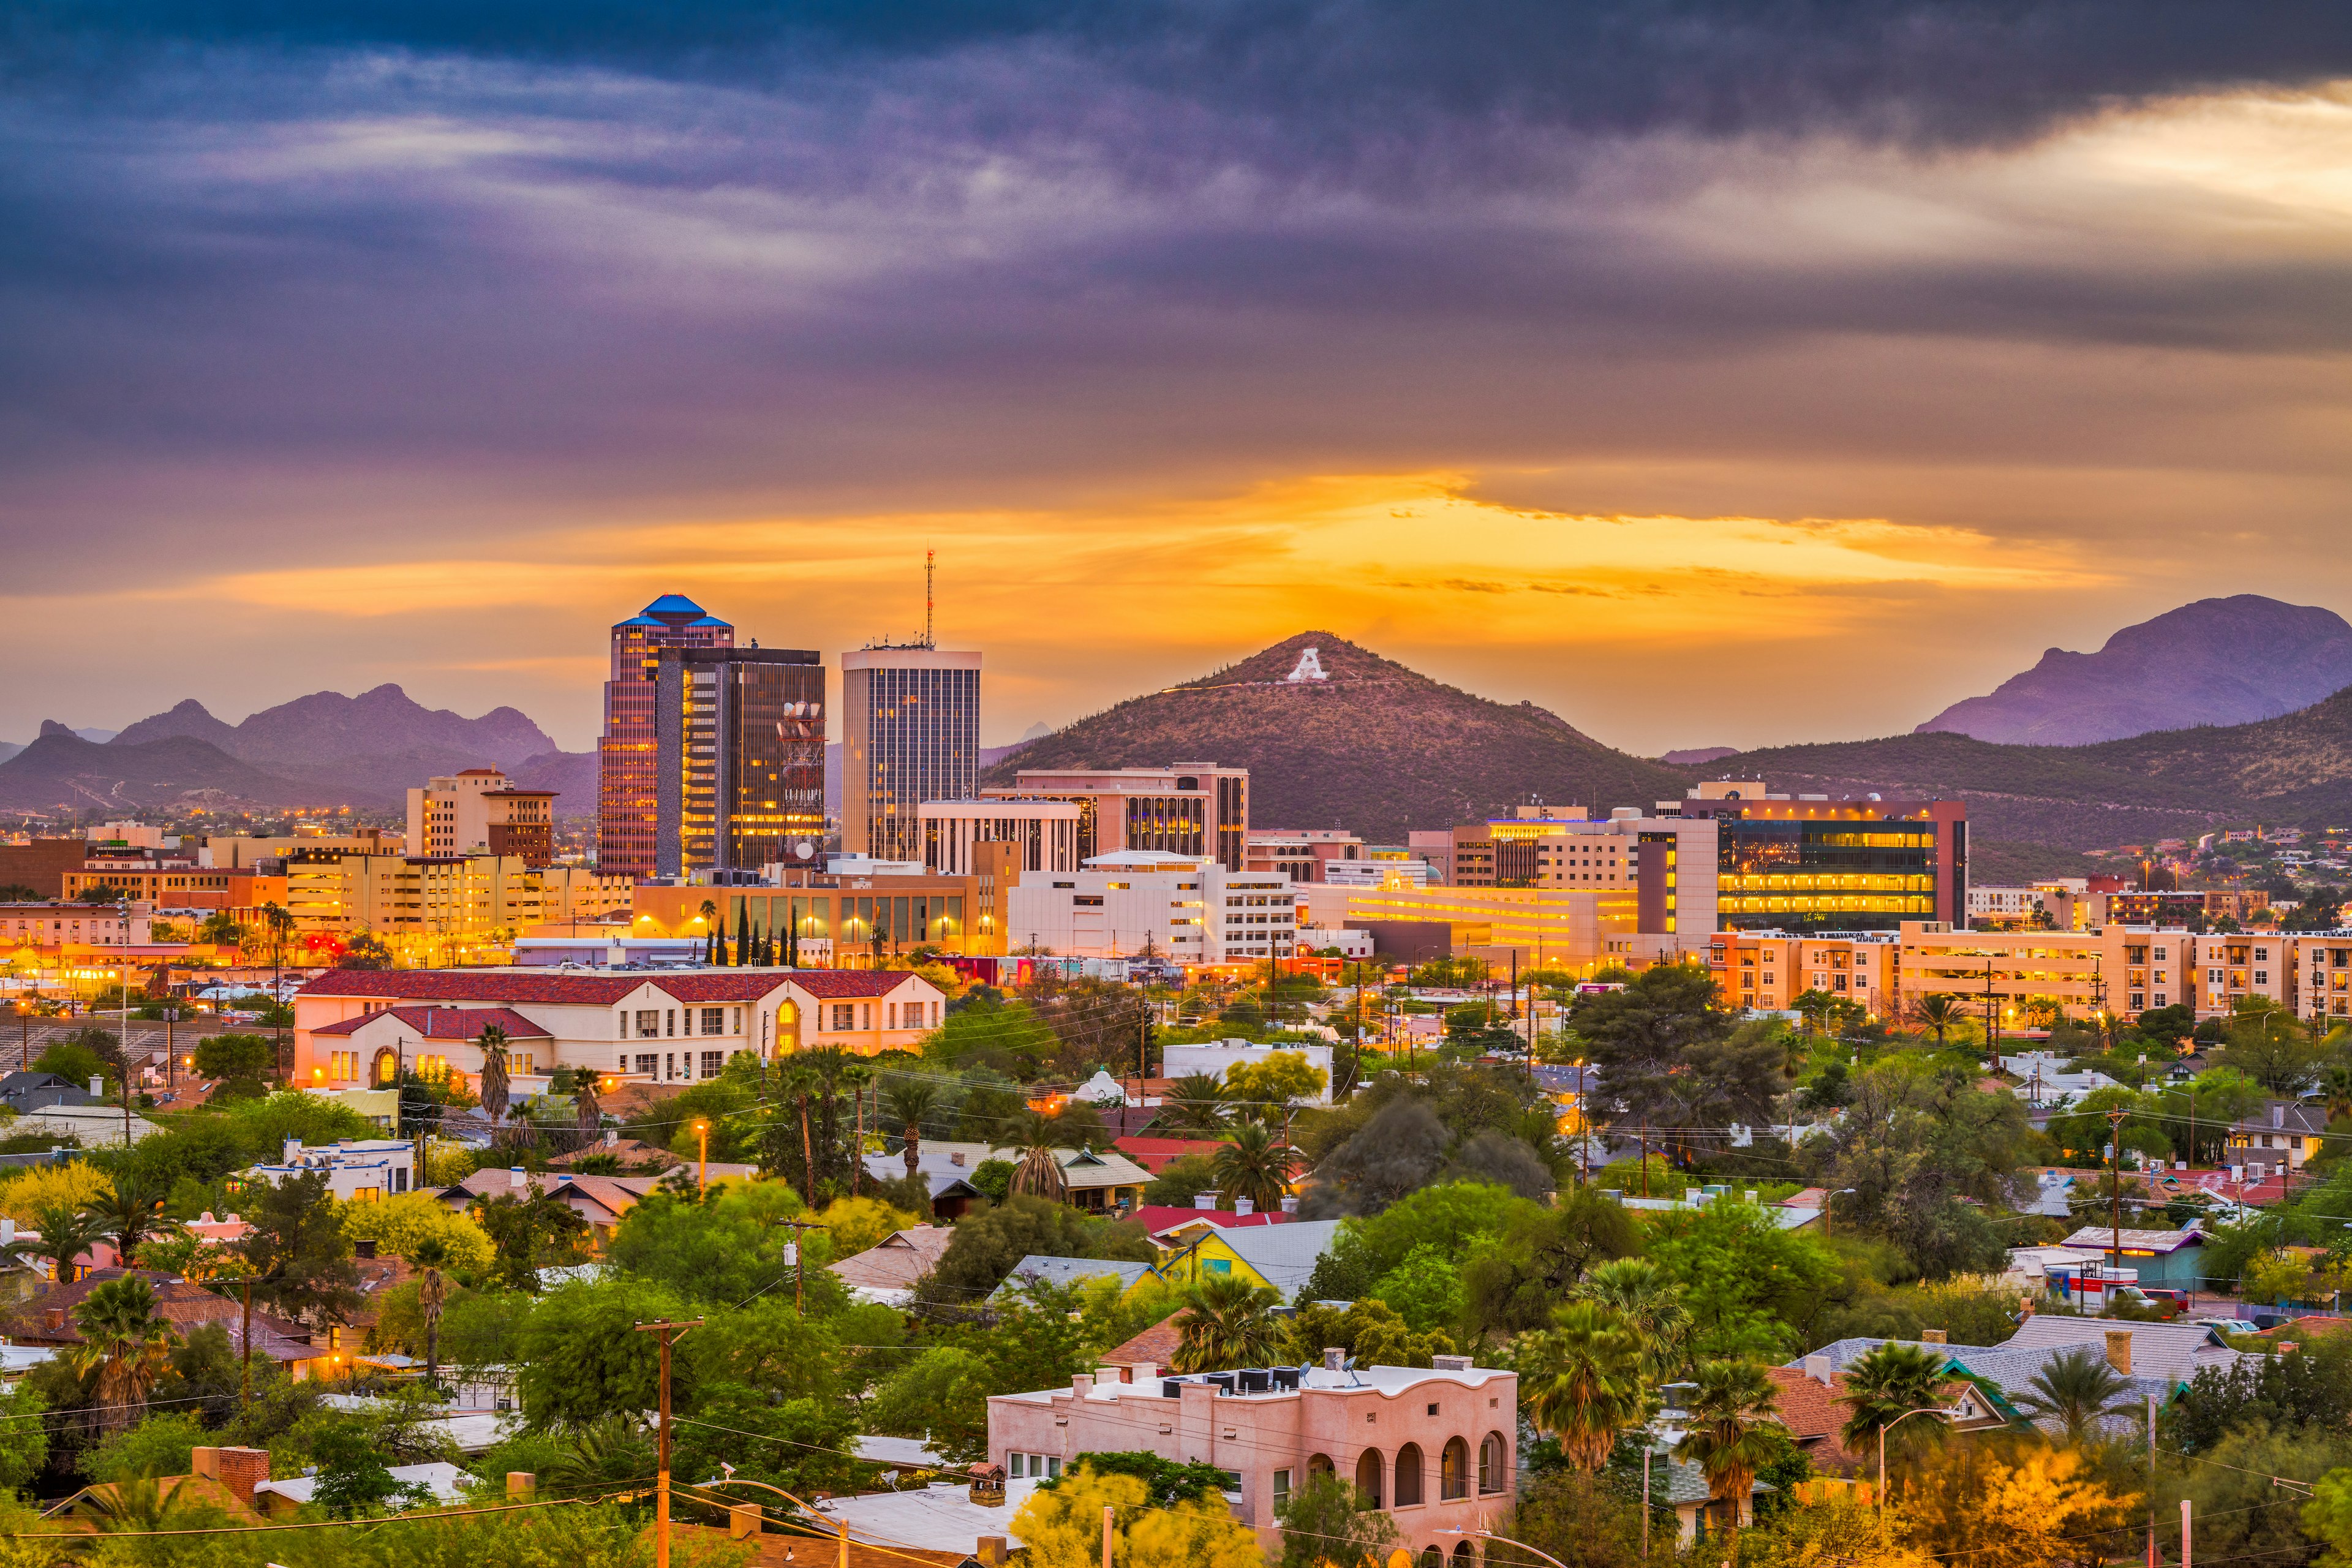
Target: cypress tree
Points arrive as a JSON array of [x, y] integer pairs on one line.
[[744, 943]]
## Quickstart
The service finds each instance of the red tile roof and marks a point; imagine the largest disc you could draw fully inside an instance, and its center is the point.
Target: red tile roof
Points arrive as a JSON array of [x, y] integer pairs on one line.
[[1157, 1217], [446, 1023], [1156, 1345], [1156, 1154], [897, 1260], [1809, 1409], [48, 1318], [601, 990]]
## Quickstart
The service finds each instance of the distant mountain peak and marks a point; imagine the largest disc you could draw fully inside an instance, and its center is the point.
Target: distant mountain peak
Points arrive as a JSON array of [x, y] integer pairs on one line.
[[2217, 661], [50, 727]]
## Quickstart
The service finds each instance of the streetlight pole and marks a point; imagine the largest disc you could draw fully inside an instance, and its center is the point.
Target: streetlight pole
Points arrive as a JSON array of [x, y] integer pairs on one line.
[[668, 1332], [1506, 1540], [1923, 1410]]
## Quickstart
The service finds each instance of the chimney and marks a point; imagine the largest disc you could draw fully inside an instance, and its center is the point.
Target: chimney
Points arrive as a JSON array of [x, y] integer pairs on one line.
[[1110, 1374], [1081, 1384], [989, 1550], [238, 1469], [1334, 1360], [364, 1247], [1142, 1371], [612, 1137], [2119, 1350], [518, 1178], [7, 1229], [293, 1151], [1290, 1204], [956, 1159], [1932, 1337], [1818, 1368], [1449, 1363], [1244, 1206], [53, 1318], [98, 1088], [1205, 1201], [2278, 1115]]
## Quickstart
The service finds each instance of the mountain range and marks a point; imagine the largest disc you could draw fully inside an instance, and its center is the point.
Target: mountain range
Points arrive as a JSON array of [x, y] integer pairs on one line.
[[1348, 738], [2217, 661], [323, 749]]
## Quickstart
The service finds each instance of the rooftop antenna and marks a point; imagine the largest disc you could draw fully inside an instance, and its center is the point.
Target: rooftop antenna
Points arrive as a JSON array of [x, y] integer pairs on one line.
[[930, 565]]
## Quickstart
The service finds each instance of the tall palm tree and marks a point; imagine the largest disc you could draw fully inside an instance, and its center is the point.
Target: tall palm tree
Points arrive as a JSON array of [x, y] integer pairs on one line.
[[1255, 1164], [1646, 1297], [493, 1043], [857, 1077], [1039, 1173], [432, 1255], [908, 1101], [124, 1343], [2336, 1088], [709, 912], [587, 1116], [800, 1080], [67, 1232], [1195, 1103], [1227, 1323], [132, 1213], [1581, 1379], [1942, 1014], [1881, 1386], [2079, 1388], [1726, 1436]]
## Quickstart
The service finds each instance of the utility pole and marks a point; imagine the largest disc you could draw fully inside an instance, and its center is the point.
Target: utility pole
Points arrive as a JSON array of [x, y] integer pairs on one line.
[[702, 1159], [2115, 1183], [2151, 1481], [668, 1333], [796, 1226], [245, 1371]]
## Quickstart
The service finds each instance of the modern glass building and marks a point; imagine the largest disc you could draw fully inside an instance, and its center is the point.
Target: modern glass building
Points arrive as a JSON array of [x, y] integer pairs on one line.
[[627, 770], [1805, 864], [909, 732], [739, 755]]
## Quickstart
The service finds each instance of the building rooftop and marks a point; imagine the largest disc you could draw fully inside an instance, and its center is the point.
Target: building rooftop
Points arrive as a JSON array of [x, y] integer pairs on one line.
[[445, 1023], [1069, 1271]]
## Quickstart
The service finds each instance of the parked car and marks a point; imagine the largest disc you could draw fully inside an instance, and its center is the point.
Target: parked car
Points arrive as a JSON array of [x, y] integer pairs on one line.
[[2230, 1325]]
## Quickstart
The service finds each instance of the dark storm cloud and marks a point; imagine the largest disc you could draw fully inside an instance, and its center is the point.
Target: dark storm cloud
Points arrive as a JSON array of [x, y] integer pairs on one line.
[[1944, 70]]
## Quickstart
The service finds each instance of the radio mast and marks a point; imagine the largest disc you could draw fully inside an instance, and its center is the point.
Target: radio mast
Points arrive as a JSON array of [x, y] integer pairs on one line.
[[930, 558]]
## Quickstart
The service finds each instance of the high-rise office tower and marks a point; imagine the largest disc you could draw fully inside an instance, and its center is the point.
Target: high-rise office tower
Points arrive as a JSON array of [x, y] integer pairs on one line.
[[909, 732], [739, 750], [627, 769]]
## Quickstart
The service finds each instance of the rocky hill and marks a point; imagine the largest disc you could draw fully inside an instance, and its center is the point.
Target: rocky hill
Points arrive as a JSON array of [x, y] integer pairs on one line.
[[62, 772], [1349, 739], [2215, 662]]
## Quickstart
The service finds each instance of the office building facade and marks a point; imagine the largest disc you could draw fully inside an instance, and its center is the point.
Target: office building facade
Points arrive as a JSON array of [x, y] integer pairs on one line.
[[909, 732], [740, 745], [1042, 835], [1187, 808], [479, 810], [628, 768], [1807, 863]]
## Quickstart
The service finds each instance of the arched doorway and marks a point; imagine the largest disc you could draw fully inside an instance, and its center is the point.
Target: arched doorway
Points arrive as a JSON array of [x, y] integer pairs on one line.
[[1408, 1475], [1454, 1471], [788, 1028], [1320, 1465], [1464, 1556], [1368, 1473], [1433, 1557], [386, 1070], [1493, 1460]]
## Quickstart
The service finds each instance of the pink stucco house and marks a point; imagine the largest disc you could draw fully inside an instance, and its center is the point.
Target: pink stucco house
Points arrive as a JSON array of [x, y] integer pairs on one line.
[[1437, 1448]]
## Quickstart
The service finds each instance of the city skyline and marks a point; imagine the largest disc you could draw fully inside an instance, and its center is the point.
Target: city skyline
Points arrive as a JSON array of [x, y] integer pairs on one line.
[[1558, 372]]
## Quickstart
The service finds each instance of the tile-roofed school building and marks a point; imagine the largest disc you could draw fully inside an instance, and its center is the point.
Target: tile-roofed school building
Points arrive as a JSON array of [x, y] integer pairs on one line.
[[360, 1026]]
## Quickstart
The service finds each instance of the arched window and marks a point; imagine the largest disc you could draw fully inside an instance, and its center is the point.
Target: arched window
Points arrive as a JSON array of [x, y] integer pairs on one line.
[[1369, 1471], [1433, 1557], [1493, 1459], [1464, 1556], [1408, 1475], [387, 1067], [1454, 1471], [1320, 1465]]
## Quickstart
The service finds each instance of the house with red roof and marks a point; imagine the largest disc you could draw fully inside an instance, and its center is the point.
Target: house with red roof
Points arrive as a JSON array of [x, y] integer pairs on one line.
[[356, 1027]]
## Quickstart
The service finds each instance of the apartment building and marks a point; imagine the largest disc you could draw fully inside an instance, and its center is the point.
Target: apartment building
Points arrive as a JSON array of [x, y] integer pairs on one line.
[[1539, 928], [479, 809], [423, 904], [1435, 1449], [1767, 971], [1807, 862], [361, 1026], [1670, 862], [2121, 969], [241, 893], [1186, 808], [1189, 909]]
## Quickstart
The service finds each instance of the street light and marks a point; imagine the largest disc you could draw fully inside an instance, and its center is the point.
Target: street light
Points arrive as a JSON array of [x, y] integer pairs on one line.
[[1827, 1200], [1923, 1410], [1506, 1540]]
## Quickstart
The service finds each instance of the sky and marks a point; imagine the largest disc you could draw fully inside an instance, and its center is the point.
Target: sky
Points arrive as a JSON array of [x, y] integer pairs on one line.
[[1709, 373]]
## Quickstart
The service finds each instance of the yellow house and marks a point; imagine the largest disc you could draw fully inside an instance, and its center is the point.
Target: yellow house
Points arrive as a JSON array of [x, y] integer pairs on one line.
[[1279, 1257]]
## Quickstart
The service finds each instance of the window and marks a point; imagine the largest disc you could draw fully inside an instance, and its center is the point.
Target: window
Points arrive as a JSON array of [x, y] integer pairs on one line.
[[670, 1016], [1454, 1471], [1281, 1489], [1491, 1463], [891, 1014], [1408, 1476], [714, 1020], [845, 1015], [648, 1024], [1217, 1265], [1370, 1473], [865, 1015], [713, 1063], [645, 1065]]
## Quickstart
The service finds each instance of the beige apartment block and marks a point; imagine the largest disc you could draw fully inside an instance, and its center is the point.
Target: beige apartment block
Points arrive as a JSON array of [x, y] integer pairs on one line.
[[455, 901], [1767, 971]]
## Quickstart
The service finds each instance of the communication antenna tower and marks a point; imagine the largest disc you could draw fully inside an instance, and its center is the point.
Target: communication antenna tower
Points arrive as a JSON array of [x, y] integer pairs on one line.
[[930, 563]]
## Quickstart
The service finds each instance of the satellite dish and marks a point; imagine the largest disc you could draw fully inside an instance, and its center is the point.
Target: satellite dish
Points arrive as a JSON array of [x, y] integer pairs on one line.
[[803, 849]]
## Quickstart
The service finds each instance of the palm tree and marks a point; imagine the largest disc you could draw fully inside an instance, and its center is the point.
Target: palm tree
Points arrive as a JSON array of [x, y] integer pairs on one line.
[[908, 1101], [431, 1256], [1726, 1436], [2079, 1388], [124, 1343], [856, 1076], [587, 1116], [1255, 1165], [1227, 1323], [1942, 1014], [710, 932], [1195, 1103], [493, 1043], [1892, 1380], [130, 1214], [1039, 1173], [67, 1232], [1581, 1379], [800, 1080], [1646, 1297], [2336, 1086]]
